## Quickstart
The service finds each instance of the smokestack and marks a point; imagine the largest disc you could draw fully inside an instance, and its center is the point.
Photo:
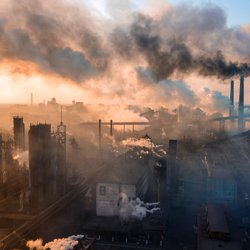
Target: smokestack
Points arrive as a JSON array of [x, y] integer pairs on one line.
[[231, 97], [100, 134], [111, 127], [61, 123], [231, 107], [241, 104]]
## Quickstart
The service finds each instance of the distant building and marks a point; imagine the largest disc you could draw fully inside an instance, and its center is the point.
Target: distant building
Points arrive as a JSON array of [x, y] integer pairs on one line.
[[52, 103]]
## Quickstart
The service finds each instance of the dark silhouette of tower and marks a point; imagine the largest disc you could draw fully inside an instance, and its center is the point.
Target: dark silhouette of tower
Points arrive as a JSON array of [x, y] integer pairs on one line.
[[42, 169], [100, 134], [231, 107], [19, 134], [61, 164], [241, 105], [111, 127]]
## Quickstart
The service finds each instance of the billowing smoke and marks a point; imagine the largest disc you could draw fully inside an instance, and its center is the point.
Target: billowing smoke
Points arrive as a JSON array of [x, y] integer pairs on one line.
[[169, 55], [130, 210], [142, 143], [180, 40], [122, 54], [62, 244], [215, 100], [35, 244]]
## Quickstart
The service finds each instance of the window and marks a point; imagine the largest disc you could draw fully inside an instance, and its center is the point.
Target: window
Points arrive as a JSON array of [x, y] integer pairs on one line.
[[102, 190]]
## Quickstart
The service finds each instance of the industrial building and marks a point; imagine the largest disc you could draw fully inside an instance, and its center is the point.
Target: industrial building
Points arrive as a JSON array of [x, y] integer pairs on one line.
[[41, 165], [137, 177], [19, 133], [130, 179], [47, 162]]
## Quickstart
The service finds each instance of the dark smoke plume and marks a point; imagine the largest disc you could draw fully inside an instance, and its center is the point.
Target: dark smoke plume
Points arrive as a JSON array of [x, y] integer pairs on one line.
[[65, 39], [178, 57]]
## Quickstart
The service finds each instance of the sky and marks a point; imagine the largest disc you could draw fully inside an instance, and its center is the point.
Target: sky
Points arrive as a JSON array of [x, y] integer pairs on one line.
[[237, 10], [80, 55]]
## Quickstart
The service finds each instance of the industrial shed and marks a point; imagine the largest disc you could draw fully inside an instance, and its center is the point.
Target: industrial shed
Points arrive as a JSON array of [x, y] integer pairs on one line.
[[130, 178]]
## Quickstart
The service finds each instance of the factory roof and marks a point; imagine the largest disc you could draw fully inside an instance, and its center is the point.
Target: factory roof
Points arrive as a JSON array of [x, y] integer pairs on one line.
[[124, 172], [128, 174]]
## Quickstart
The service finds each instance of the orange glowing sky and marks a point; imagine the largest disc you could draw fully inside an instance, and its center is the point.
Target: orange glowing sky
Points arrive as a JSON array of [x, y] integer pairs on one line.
[[19, 78]]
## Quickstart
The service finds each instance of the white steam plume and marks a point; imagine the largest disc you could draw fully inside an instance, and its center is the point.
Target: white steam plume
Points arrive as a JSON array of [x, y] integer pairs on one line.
[[142, 143], [22, 158], [135, 209]]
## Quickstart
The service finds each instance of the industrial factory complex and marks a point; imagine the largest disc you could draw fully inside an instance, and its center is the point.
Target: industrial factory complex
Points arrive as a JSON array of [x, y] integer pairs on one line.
[[174, 180]]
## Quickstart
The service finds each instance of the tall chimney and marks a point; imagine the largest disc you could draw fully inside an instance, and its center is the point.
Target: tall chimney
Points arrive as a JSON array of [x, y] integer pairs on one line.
[[241, 104], [100, 134], [231, 107], [111, 127]]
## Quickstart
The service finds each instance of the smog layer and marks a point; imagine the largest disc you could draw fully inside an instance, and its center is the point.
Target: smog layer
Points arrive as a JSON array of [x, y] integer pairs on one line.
[[124, 54]]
